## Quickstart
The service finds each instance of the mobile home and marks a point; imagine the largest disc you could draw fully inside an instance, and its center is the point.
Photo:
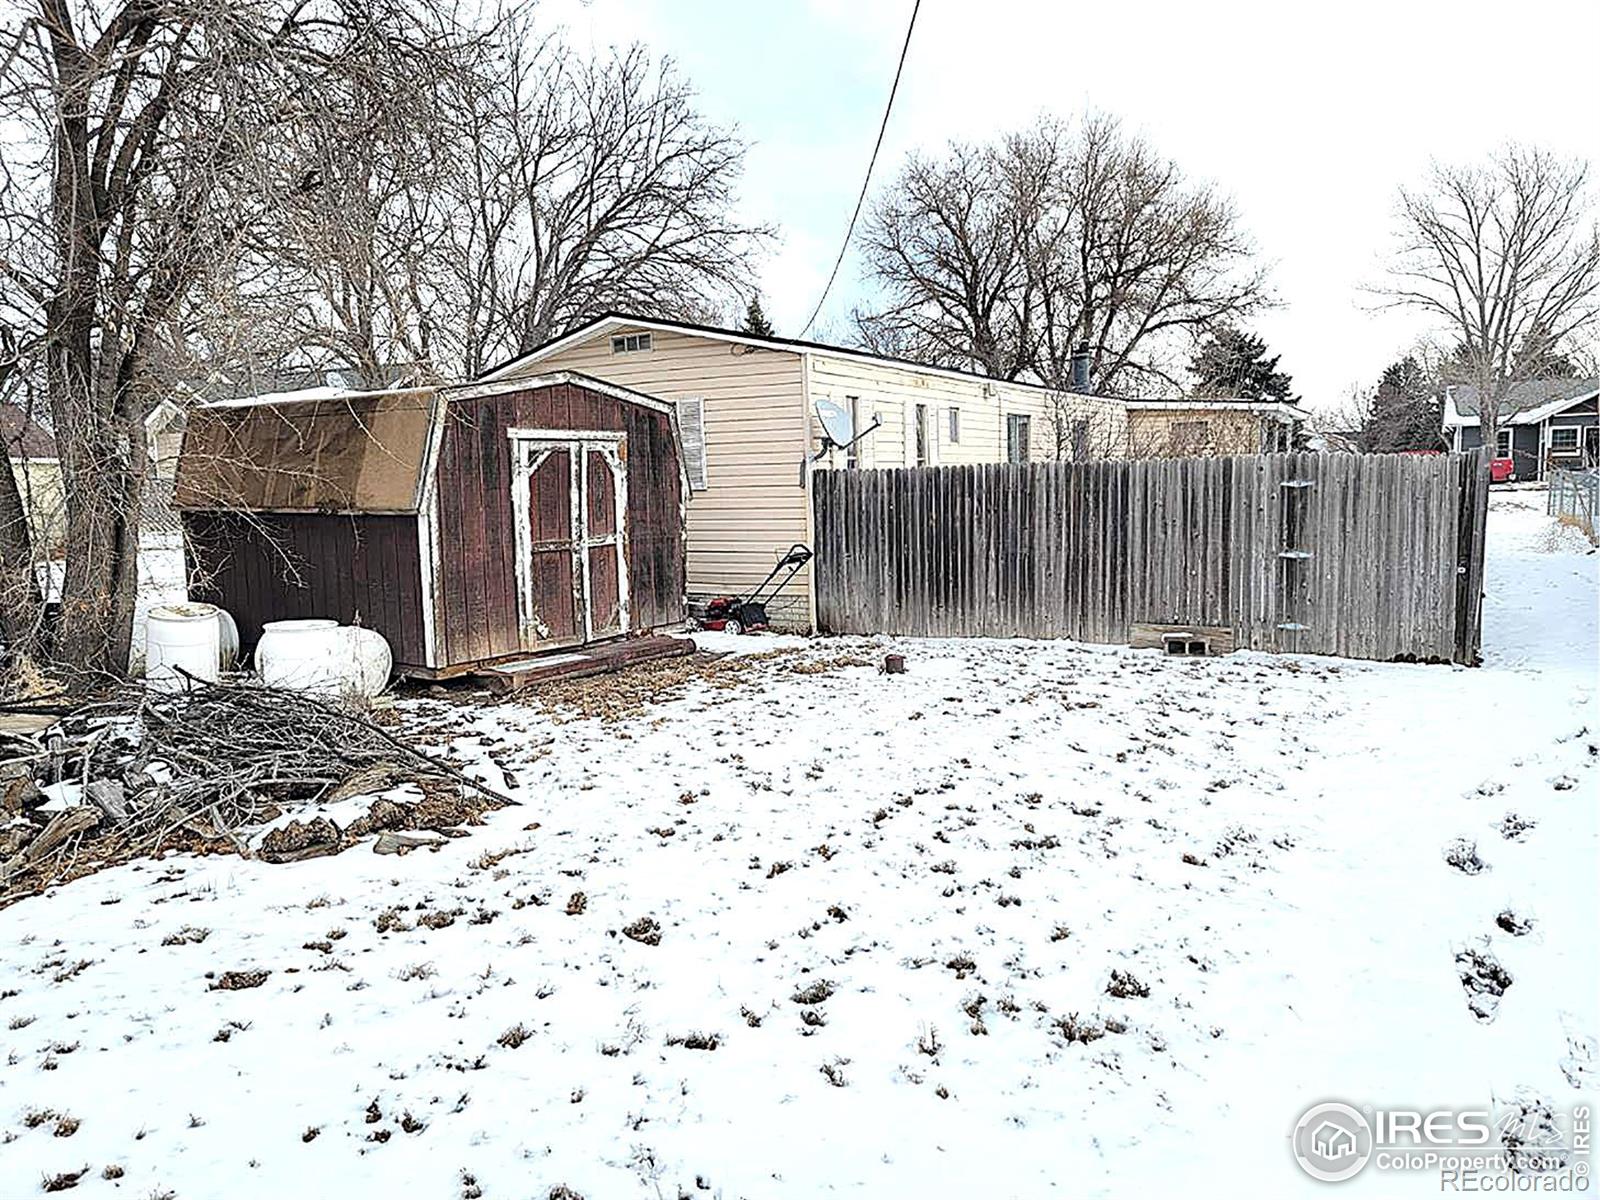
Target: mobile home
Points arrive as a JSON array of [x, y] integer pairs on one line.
[[758, 413]]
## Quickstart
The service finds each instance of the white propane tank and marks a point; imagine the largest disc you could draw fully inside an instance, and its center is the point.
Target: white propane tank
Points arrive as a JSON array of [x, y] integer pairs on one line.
[[370, 659], [186, 636], [303, 655], [227, 639]]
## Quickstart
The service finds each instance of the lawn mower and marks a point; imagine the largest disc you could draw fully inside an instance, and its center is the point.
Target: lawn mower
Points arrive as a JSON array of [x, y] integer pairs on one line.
[[748, 613]]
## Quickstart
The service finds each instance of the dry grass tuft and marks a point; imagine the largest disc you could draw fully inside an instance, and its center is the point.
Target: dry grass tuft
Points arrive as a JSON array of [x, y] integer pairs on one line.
[[189, 935], [64, 1181], [1082, 1032], [238, 981], [833, 1072], [814, 993], [1125, 985], [1462, 854], [646, 930], [515, 1036]]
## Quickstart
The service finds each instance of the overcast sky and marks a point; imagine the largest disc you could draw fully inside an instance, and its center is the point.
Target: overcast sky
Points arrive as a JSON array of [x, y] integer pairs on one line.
[[1309, 116]]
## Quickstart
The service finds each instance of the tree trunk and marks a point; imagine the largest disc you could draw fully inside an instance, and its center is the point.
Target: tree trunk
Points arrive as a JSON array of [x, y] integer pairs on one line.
[[102, 453], [99, 425]]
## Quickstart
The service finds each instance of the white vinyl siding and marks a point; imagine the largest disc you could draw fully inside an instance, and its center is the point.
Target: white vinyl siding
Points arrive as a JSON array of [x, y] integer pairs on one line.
[[753, 507], [974, 407]]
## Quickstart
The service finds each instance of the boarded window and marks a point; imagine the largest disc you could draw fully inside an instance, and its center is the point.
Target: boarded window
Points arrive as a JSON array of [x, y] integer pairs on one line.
[[921, 422], [955, 426], [1190, 437], [692, 428], [1080, 441], [1016, 438]]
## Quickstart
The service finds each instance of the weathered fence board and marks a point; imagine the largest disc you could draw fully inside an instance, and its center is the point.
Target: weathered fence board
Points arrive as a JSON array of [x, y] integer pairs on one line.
[[1364, 556]]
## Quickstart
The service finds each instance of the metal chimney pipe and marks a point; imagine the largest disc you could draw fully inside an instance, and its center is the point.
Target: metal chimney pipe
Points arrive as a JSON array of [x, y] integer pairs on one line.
[[1081, 360]]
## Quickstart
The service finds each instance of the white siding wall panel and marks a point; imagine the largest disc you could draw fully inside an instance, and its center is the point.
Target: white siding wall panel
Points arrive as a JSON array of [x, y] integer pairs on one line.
[[753, 507], [894, 392]]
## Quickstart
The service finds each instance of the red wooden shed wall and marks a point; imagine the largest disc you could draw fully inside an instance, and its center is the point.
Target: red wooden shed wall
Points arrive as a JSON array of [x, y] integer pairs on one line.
[[475, 602], [279, 566]]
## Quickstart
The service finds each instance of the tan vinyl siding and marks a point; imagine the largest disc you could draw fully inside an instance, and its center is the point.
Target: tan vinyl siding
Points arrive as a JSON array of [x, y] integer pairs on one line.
[[892, 393], [1179, 432], [754, 507], [43, 502]]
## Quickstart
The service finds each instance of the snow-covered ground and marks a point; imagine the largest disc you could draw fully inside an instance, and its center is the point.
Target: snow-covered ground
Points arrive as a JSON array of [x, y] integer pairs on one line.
[[886, 901]]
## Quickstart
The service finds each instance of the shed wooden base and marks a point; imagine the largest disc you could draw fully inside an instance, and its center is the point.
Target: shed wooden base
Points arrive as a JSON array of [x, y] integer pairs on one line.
[[575, 664]]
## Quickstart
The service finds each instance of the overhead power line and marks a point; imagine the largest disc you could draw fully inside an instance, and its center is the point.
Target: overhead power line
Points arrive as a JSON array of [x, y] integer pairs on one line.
[[872, 162]]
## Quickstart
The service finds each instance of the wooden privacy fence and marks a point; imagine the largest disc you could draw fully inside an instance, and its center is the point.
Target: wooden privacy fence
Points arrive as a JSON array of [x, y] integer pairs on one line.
[[1365, 556]]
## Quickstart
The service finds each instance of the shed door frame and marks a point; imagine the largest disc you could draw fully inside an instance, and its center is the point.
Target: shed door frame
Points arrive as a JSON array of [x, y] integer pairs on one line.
[[529, 449]]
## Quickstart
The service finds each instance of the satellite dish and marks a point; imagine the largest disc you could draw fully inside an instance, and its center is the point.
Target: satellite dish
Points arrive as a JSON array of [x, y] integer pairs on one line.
[[836, 424]]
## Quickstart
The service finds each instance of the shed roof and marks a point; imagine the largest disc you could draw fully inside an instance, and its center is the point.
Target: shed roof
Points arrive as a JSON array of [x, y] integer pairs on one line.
[[329, 449], [339, 452], [23, 436]]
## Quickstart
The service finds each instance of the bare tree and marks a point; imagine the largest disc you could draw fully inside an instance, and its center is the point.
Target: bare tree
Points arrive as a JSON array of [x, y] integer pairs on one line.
[[155, 137], [1009, 257], [512, 192], [950, 242], [1505, 256], [587, 185]]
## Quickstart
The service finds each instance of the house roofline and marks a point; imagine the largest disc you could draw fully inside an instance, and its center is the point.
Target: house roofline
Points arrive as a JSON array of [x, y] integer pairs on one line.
[[617, 320], [1528, 416], [1266, 407]]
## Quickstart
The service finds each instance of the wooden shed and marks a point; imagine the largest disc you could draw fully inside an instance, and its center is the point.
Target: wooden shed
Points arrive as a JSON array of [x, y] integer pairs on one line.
[[473, 526]]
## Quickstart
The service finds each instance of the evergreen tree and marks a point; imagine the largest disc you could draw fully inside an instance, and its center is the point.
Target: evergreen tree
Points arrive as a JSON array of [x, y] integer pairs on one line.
[[755, 321], [1235, 364], [1407, 410]]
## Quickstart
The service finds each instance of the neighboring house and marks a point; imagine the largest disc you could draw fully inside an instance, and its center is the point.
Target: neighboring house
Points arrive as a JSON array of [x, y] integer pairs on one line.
[[163, 437], [1544, 424], [31, 454], [1332, 441], [1204, 427], [754, 410]]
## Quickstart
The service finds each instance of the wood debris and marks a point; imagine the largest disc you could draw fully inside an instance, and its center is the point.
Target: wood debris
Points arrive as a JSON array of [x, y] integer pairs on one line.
[[137, 772]]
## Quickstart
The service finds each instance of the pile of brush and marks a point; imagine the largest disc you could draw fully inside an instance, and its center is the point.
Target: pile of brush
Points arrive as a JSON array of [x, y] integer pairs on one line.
[[136, 772]]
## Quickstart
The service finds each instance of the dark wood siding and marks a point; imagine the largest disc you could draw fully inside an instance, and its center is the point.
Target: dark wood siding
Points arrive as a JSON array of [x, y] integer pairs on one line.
[[476, 596], [279, 566]]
